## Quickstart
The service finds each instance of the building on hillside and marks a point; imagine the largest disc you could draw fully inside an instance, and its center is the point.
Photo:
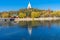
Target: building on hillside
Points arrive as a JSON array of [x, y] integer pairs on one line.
[[48, 11], [13, 14], [28, 13]]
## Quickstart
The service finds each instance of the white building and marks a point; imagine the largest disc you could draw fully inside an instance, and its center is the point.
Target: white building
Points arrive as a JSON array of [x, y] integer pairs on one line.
[[29, 6]]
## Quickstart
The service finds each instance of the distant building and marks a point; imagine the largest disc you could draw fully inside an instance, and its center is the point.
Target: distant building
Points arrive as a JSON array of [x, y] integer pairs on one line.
[[49, 13]]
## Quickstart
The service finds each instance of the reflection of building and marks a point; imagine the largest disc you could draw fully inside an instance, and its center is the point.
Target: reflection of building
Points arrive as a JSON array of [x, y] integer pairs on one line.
[[30, 30]]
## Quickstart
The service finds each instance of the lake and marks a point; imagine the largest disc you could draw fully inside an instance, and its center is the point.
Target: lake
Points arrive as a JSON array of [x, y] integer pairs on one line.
[[30, 30]]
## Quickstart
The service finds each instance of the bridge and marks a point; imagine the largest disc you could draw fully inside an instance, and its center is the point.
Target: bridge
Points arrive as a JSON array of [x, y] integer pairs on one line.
[[6, 19]]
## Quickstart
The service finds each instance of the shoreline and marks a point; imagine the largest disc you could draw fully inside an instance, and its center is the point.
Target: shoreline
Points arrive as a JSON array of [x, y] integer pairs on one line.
[[37, 19], [32, 19]]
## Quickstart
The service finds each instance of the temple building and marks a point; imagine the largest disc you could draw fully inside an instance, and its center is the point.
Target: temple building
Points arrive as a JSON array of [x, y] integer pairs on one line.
[[28, 13]]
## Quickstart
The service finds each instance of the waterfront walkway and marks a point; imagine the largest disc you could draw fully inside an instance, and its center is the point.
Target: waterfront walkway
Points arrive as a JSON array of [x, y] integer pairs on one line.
[[31, 19], [37, 19]]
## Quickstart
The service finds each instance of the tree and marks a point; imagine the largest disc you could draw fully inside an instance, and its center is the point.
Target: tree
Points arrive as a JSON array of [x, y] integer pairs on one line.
[[5, 15], [35, 14], [22, 15]]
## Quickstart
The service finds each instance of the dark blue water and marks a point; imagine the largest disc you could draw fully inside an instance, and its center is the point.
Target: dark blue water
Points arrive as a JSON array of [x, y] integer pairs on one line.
[[41, 30]]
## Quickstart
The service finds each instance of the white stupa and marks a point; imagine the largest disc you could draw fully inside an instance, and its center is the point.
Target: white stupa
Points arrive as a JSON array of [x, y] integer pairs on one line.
[[29, 6]]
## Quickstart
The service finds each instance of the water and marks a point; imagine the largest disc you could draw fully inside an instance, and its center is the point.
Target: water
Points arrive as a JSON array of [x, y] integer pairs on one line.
[[30, 30]]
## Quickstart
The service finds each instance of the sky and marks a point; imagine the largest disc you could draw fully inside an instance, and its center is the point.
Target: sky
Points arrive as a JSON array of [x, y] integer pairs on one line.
[[15, 5]]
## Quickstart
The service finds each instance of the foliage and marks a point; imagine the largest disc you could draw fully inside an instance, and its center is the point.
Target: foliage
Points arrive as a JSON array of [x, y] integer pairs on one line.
[[5, 15], [32, 13], [35, 14], [22, 15]]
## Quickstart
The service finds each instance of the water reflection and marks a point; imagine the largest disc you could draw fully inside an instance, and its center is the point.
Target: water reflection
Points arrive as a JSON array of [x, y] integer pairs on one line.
[[34, 24], [30, 30]]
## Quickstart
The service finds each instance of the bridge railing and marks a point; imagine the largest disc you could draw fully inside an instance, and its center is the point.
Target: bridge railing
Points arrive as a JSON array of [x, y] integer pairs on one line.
[[6, 19]]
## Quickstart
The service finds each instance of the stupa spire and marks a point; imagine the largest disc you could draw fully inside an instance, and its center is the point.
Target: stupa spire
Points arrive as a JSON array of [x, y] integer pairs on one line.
[[29, 6]]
